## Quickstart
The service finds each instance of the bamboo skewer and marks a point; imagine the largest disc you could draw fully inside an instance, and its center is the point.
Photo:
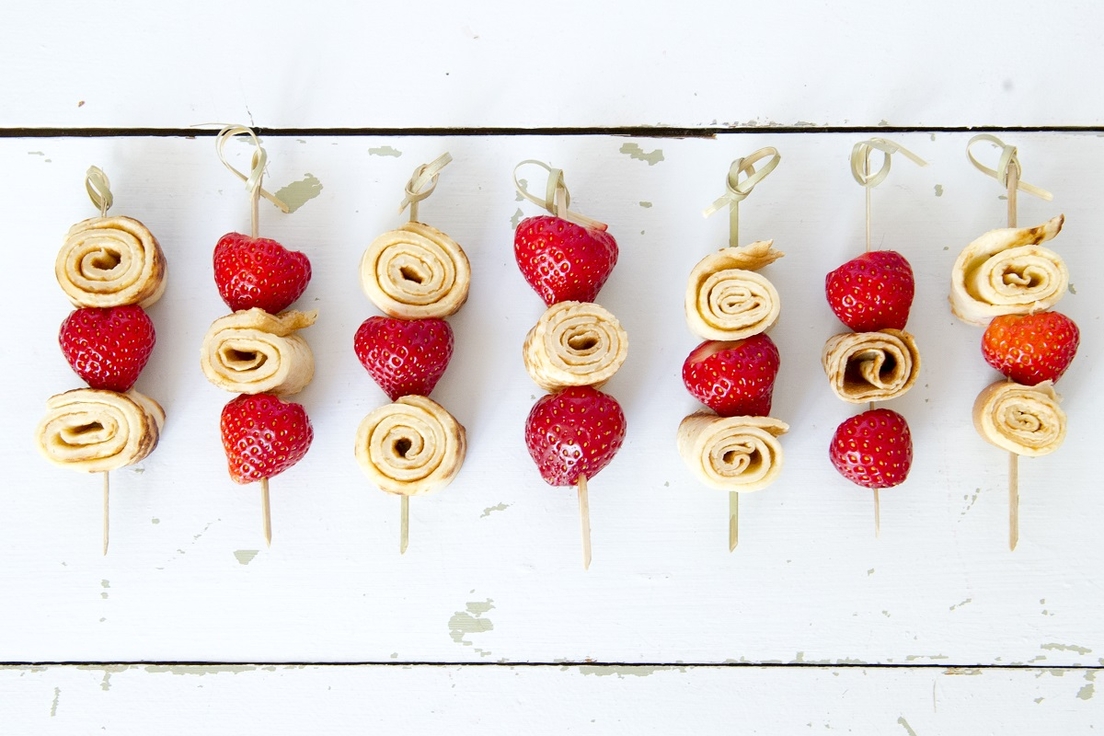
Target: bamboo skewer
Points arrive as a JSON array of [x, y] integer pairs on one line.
[[1013, 184], [404, 524], [584, 518], [106, 512]]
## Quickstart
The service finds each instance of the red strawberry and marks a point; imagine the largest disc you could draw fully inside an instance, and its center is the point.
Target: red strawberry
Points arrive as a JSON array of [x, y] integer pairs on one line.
[[108, 346], [563, 261], [258, 272], [574, 432], [733, 378], [873, 449], [404, 356], [872, 292], [263, 436], [1031, 348]]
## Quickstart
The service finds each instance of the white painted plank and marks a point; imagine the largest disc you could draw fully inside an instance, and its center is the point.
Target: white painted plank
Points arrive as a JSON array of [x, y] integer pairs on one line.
[[442, 64], [544, 700], [493, 572]]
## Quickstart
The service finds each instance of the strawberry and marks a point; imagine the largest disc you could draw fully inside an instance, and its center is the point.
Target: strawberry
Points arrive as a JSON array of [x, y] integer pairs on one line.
[[733, 378], [258, 272], [1031, 348], [404, 356], [872, 292], [574, 432], [873, 449], [563, 261], [263, 436], [108, 346]]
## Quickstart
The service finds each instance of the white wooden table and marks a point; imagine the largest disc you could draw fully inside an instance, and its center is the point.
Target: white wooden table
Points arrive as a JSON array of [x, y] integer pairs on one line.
[[489, 622]]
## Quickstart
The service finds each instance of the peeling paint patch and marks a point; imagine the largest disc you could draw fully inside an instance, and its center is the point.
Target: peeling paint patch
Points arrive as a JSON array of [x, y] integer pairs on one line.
[[914, 657], [901, 720], [524, 185], [621, 671], [471, 621], [1065, 648], [646, 205], [634, 151], [1071, 289], [54, 704], [298, 193], [201, 669], [516, 218], [384, 151], [155, 520], [939, 190], [870, 572], [963, 603], [491, 509], [35, 153], [963, 671], [1039, 700], [245, 556], [104, 584], [1086, 692]]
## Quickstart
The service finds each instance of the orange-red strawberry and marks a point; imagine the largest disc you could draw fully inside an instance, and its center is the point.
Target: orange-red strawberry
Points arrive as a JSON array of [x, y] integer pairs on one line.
[[563, 261], [258, 272], [1031, 348], [873, 449], [574, 432], [404, 356], [733, 378], [263, 436], [108, 346], [872, 292]]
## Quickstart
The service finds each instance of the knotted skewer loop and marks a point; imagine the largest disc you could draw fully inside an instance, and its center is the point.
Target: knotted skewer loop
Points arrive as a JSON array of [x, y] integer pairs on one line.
[[737, 191], [860, 160], [557, 199], [1008, 165], [256, 169], [422, 184], [98, 187]]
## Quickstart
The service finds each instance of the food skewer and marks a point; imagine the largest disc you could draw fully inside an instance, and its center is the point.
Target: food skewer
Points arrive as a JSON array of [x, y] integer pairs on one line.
[[732, 445], [258, 279], [878, 360], [107, 341], [1009, 172], [574, 431], [417, 275]]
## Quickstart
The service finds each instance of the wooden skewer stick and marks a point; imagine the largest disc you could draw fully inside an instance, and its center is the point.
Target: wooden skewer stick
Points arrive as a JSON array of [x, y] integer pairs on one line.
[[1013, 184], [733, 520], [584, 518], [877, 514], [106, 514], [266, 512], [404, 525]]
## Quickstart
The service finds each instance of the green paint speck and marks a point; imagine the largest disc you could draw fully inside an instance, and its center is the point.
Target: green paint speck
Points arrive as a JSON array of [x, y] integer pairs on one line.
[[384, 151], [1065, 648], [155, 520], [646, 205], [959, 605], [516, 218], [939, 190], [54, 705], [1072, 290], [498, 507], [906, 726], [524, 185], [298, 193], [471, 621], [245, 556], [870, 572], [636, 152]]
